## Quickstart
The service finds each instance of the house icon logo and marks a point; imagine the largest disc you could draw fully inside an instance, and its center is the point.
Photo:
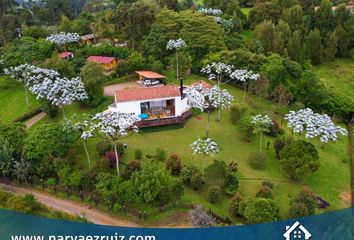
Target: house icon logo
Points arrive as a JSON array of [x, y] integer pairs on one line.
[[296, 231]]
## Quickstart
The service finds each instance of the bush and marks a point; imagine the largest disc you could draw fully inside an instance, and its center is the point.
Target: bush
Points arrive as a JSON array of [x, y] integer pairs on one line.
[[214, 194], [117, 207], [160, 155], [131, 167], [246, 128], [235, 204], [50, 109], [23, 204], [264, 192], [103, 147], [233, 166], [231, 184], [268, 184], [138, 154], [187, 173], [258, 210], [303, 204], [274, 129], [257, 160], [197, 181], [237, 113], [174, 164], [279, 144]]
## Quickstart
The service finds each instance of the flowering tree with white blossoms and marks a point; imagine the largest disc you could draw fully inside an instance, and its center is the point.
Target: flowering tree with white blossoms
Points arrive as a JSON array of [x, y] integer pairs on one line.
[[177, 45], [206, 99], [243, 76], [260, 125], [314, 125], [62, 38], [217, 71], [80, 127], [111, 126], [22, 74], [210, 11], [60, 91], [204, 147]]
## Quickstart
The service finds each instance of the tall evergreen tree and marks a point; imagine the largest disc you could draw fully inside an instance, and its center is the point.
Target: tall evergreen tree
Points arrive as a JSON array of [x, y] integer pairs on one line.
[[295, 46], [314, 46], [331, 46]]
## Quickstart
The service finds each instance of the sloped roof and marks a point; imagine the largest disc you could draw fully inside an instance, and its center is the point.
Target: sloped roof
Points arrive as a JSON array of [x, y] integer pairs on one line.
[[65, 54], [100, 59], [202, 83], [149, 74], [87, 36], [149, 93]]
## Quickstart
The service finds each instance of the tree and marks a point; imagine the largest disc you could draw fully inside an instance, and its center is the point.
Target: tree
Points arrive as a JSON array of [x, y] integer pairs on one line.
[[207, 99], [294, 17], [331, 48], [303, 204], [63, 38], [261, 124], [48, 140], [282, 95], [21, 169], [214, 193], [111, 126], [299, 158], [314, 46], [131, 167], [314, 125], [21, 74], [6, 157], [258, 210], [244, 76], [204, 147], [294, 46], [177, 45], [93, 77], [199, 218], [343, 42], [174, 165], [325, 20], [14, 134], [269, 37], [153, 184]]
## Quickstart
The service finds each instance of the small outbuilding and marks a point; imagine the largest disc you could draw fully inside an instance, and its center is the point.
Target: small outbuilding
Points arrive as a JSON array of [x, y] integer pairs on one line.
[[66, 55], [108, 63]]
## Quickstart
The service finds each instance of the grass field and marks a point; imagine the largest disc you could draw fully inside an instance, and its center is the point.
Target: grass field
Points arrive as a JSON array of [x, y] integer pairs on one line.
[[246, 11], [233, 148], [338, 77], [12, 100]]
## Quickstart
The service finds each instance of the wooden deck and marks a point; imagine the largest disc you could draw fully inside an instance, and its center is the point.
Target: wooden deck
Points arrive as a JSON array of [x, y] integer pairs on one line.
[[164, 121]]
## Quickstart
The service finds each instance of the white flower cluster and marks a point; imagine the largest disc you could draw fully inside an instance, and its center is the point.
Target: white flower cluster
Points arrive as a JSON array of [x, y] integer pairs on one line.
[[63, 38], [204, 146], [177, 44], [205, 98], [210, 11], [112, 125], [314, 124], [243, 75], [261, 120], [47, 84], [216, 69]]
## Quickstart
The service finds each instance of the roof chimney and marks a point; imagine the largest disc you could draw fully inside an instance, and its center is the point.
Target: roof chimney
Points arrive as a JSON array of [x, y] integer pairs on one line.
[[181, 87]]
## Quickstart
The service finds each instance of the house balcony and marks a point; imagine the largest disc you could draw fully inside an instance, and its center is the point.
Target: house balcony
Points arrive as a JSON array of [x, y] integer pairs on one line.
[[164, 121]]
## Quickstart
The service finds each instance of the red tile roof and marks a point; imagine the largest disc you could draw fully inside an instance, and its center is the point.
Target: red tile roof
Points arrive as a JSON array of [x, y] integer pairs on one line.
[[65, 54], [149, 74], [148, 93], [100, 59]]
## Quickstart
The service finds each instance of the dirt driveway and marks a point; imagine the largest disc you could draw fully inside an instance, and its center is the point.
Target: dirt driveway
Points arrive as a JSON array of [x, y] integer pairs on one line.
[[109, 90]]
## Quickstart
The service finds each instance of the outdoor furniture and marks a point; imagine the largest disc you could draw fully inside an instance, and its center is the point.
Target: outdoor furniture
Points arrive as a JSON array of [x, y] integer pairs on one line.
[[143, 116]]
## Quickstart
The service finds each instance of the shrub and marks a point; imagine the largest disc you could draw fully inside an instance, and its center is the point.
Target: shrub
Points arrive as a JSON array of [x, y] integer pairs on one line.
[[103, 147], [274, 129], [264, 192], [111, 157], [231, 184], [258, 210], [237, 113], [233, 166], [246, 128], [214, 193], [257, 160], [174, 164], [303, 204], [27, 115], [48, 108], [117, 207], [131, 167], [235, 204], [197, 181], [268, 184], [187, 173], [160, 155], [279, 144], [138, 154]]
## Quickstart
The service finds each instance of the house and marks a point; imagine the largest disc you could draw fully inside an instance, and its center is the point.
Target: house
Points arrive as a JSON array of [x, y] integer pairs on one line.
[[201, 83], [296, 231], [87, 39], [155, 106], [108, 63], [149, 78], [66, 55]]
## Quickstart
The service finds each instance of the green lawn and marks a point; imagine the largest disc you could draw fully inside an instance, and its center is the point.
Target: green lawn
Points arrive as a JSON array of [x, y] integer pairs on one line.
[[246, 11], [12, 100], [338, 77], [324, 182]]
